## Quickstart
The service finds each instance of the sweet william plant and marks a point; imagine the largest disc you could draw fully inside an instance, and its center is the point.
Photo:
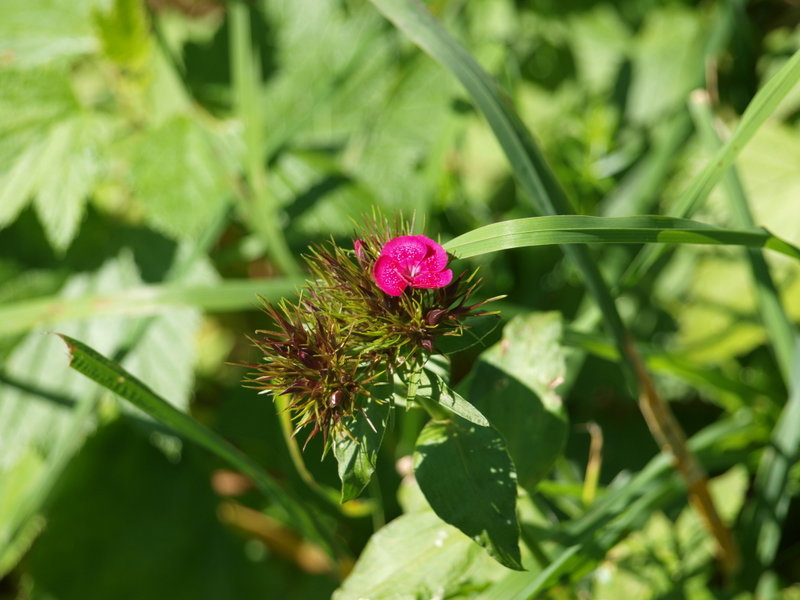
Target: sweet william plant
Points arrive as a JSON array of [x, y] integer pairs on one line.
[[356, 345]]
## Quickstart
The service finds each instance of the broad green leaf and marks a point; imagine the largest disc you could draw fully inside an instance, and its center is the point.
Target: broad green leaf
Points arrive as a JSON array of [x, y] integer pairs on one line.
[[356, 450], [514, 383], [667, 60], [35, 32], [468, 478], [111, 376], [227, 295], [418, 556], [178, 178], [30, 100], [573, 229]]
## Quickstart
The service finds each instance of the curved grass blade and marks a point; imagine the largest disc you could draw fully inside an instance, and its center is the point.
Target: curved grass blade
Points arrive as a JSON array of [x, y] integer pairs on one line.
[[576, 229], [111, 376], [764, 518], [779, 326], [755, 115], [228, 295]]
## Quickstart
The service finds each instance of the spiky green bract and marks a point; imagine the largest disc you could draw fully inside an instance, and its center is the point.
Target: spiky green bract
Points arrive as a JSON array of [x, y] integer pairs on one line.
[[327, 349]]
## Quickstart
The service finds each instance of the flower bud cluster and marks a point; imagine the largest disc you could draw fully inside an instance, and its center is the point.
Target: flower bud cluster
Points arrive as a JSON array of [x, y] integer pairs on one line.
[[373, 311]]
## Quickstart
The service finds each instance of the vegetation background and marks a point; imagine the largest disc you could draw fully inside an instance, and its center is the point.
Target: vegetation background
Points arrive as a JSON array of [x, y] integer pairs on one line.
[[163, 162]]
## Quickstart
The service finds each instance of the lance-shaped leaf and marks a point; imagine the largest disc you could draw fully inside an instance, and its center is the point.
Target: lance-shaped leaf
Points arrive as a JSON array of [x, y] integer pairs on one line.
[[356, 450], [468, 478]]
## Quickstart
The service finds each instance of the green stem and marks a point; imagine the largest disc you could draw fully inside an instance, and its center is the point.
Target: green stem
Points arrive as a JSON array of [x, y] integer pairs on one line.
[[257, 204]]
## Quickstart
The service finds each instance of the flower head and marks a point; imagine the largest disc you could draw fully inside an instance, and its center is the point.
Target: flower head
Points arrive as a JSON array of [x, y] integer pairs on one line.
[[411, 260], [356, 324]]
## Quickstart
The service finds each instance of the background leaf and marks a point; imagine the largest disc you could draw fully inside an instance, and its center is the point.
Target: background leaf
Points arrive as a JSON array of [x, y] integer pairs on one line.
[[513, 385]]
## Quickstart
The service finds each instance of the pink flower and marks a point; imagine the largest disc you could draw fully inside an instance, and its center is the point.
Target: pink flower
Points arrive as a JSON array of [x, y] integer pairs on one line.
[[413, 260]]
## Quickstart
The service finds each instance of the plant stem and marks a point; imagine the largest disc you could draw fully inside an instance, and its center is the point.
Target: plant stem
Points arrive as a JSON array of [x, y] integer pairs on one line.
[[257, 203], [670, 436]]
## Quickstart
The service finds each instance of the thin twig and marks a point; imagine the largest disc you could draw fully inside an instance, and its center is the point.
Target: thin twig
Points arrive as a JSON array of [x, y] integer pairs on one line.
[[670, 436]]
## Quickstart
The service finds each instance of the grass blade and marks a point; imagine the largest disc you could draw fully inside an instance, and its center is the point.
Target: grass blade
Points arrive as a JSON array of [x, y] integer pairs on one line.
[[228, 295], [780, 328], [763, 524], [577, 229], [755, 115], [114, 378]]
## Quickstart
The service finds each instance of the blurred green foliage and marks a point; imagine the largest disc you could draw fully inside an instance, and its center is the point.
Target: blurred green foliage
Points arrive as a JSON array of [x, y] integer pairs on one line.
[[155, 155]]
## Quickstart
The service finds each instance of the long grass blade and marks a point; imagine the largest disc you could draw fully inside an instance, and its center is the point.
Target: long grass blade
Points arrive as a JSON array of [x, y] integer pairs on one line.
[[111, 376], [779, 327], [228, 295], [576, 229]]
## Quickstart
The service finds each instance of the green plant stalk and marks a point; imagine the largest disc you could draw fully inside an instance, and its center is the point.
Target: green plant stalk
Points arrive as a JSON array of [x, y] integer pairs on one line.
[[780, 328], [541, 186], [257, 203]]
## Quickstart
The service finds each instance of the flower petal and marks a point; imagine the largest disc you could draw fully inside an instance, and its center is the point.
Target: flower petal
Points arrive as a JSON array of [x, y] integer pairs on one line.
[[432, 280], [388, 276], [406, 250], [435, 257]]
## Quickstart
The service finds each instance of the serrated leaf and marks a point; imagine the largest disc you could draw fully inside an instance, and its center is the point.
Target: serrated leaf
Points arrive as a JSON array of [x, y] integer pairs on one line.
[[357, 450], [178, 178], [417, 556], [34, 32], [62, 197], [467, 476]]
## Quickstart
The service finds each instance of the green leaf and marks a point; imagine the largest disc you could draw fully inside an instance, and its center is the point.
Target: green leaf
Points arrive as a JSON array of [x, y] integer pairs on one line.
[[34, 32], [574, 229], [418, 556], [113, 377], [356, 450], [45, 409], [513, 385], [124, 32], [439, 391], [467, 476], [667, 59], [476, 332], [178, 178]]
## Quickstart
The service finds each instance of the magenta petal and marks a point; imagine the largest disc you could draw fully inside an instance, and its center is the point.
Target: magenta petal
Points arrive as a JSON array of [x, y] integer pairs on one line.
[[388, 276], [406, 250], [436, 256], [432, 280]]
